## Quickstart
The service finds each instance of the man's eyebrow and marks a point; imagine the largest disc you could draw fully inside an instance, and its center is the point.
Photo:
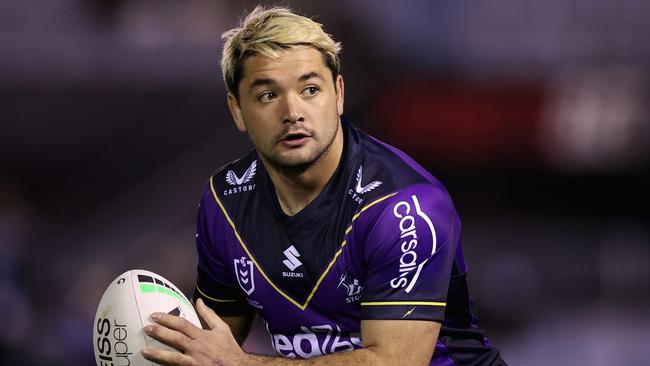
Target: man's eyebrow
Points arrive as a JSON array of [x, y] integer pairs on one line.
[[260, 82], [310, 75], [267, 81]]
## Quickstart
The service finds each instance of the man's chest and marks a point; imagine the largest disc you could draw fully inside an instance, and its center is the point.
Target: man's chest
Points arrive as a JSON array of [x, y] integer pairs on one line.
[[295, 264]]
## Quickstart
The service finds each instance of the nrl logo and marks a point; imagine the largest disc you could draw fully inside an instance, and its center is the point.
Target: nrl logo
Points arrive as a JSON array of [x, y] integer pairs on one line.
[[244, 274], [359, 189], [240, 183]]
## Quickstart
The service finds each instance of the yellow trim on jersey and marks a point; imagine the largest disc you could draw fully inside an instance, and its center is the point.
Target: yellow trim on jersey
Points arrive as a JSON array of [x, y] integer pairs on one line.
[[241, 242], [347, 231], [313, 291], [426, 303], [210, 297], [259, 268]]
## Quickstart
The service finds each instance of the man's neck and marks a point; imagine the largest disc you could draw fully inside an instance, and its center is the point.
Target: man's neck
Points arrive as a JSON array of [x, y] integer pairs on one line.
[[297, 189]]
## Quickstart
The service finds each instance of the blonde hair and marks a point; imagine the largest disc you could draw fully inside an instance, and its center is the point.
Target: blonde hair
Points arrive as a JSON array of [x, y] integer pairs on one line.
[[267, 32]]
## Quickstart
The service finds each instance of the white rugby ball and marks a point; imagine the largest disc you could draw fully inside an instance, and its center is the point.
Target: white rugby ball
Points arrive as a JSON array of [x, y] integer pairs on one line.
[[126, 307]]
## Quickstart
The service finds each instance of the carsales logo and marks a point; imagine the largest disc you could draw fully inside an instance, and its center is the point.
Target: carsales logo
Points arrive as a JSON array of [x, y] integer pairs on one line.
[[409, 268]]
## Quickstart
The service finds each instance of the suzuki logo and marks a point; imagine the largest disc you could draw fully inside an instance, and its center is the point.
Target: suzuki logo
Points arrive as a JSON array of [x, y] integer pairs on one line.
[[292, 262], [234, 180]]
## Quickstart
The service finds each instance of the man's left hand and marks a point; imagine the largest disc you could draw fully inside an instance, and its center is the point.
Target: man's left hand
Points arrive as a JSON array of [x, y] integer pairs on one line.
[[214, 346]]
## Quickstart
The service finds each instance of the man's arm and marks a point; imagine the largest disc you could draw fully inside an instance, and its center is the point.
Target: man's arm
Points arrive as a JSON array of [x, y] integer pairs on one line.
[[386, 342]]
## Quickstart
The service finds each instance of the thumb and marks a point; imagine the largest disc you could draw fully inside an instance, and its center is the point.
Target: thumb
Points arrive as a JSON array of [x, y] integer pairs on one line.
[[208, 315]]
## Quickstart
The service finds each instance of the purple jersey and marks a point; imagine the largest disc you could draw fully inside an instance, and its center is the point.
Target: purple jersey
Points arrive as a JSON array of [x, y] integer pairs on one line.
[[381, 241]]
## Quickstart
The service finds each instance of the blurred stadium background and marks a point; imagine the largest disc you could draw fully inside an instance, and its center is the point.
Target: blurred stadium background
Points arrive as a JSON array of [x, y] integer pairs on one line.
[[534, 114]]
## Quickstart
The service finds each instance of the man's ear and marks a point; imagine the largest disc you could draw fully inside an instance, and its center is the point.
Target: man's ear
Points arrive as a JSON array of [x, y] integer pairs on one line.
[[235, 111], [340, 93]]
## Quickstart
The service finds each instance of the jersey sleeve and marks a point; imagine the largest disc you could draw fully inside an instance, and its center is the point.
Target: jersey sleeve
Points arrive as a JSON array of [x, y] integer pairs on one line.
[[410, 246], [215, 283]]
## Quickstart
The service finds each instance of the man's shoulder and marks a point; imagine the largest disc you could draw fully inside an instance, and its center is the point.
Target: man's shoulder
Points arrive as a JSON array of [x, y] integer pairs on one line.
[[381, 169], [387, 179]]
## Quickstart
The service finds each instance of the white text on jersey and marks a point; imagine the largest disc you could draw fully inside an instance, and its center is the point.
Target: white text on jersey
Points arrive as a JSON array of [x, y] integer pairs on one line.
[[315, 341], [408, 261]]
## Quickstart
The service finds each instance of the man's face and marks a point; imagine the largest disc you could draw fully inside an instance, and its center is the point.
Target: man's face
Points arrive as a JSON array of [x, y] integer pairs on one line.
[[289, 106]]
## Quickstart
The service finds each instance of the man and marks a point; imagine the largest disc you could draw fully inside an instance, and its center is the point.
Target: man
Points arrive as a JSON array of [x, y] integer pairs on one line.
[[347, 248]]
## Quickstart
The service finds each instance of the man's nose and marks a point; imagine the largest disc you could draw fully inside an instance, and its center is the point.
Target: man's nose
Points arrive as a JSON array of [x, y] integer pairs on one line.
[[292, 109]]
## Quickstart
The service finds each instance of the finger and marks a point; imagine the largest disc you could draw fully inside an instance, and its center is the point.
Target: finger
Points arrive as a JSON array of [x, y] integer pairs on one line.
[[211, 319], [165, 357], [176, 323], [168, 336]]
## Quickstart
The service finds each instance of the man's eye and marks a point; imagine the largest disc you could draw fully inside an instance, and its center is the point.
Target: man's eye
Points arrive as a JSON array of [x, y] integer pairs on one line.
[[266, 97], [310, 91]]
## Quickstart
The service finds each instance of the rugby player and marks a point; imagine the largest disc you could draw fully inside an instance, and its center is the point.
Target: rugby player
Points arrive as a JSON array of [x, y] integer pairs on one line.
[[346, 247]]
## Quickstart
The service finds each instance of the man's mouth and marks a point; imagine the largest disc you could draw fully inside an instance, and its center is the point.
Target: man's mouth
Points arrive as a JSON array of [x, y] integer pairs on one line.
[[295, 139], [295, 136]]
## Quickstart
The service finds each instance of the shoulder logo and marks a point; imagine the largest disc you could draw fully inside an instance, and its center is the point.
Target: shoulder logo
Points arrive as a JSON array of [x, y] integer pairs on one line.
[[413, 226], [240, 184], [234, 180], [244, 274], [358, 190], [368, 187], [292, 262]]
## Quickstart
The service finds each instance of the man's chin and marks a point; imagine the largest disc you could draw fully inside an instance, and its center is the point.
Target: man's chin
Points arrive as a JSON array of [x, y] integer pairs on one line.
[[296, 165], [293, 162]]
